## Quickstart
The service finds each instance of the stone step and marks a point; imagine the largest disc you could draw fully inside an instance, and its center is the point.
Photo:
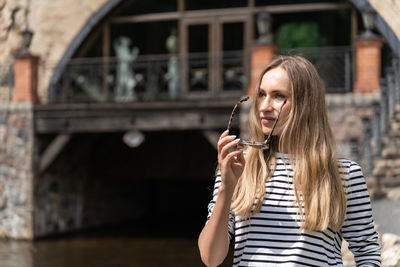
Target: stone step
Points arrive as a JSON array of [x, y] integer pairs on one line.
[[394, 134], [389, 182], [394, 126], [396, 116], [387, 167], [391, 140], [390, 152]]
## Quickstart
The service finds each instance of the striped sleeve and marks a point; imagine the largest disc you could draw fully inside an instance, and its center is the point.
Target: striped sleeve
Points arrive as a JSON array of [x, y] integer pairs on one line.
[[358, 228], [231, 222]]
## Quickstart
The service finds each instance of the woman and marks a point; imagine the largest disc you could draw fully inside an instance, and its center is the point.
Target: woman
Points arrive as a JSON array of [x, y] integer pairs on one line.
[[291, 204]]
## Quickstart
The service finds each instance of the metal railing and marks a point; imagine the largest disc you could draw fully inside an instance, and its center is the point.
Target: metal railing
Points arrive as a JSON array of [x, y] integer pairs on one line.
[[150, 77], [6, 82], [334, 65], [171, 77], [111, 80]]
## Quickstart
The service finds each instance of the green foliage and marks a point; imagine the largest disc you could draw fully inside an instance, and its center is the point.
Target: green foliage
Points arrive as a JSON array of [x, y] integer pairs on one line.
[[298, 34]]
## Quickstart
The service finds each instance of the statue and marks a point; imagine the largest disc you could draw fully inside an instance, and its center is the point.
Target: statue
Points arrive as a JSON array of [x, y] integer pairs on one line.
[[125, 82], [173, 65], [264, 20]]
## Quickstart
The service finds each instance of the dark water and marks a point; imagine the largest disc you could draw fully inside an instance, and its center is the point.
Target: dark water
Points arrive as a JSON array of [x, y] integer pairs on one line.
[[165, 236], [99, 252], [118, 246]]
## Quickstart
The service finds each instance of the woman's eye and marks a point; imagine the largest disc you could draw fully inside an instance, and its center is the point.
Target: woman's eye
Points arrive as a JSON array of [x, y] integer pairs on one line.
[[261, 94], [280, 96]]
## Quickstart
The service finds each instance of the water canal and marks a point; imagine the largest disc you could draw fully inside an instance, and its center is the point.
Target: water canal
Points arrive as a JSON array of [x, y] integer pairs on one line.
[[166, 239], [172, 174], [102, 250]]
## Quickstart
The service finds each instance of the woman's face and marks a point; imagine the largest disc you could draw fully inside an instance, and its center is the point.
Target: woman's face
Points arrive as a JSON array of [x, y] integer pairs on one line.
[[275, 87]]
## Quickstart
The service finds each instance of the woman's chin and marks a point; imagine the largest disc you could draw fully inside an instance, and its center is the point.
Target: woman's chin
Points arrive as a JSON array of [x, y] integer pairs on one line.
[[266, 131]]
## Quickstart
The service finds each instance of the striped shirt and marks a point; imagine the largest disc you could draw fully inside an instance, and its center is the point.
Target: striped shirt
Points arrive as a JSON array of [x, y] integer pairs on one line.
[[273, 237]]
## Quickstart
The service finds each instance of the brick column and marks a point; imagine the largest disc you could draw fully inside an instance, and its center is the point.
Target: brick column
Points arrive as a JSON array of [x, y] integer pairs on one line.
[[368, 66], [261, 55], [25, 78]]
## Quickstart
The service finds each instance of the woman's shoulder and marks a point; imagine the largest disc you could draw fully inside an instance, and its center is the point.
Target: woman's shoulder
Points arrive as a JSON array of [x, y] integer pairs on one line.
[[344, 160], [350, 171], [347, 163]]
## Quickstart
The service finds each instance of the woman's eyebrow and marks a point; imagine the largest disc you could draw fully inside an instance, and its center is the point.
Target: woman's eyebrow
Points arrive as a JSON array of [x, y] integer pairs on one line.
[[274, 91], [280, 91]]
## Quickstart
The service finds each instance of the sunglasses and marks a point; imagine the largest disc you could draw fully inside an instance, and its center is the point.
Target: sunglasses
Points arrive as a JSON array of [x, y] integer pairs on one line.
[[258, 145]]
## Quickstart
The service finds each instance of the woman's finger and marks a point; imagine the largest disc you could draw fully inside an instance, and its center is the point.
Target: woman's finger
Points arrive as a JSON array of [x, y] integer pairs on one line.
[[224, 141], [225, 133], [222, 136], [235, 154], [240, 157], [226, 148]]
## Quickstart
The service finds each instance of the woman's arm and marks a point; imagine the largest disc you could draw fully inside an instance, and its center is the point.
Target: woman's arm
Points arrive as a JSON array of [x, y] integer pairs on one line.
[[359, 227], [214, 238]]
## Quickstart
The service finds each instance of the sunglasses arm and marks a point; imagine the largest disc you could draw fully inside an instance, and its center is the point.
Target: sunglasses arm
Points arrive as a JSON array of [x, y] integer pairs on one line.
[[268, 140]]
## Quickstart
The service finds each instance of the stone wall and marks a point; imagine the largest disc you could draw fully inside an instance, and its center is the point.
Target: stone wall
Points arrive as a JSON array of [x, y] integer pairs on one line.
[[389, 10], [387, 168], [54, 23], [16, 171], [345, 114]]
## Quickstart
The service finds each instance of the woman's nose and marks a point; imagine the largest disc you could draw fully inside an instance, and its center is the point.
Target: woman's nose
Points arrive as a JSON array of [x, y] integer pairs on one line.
[[266, 104]]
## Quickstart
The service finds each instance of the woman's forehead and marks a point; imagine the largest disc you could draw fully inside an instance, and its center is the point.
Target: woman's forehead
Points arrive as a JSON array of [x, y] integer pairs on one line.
[[274, 79]]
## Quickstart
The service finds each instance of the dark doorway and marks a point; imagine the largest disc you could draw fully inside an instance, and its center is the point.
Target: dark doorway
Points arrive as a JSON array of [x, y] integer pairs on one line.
[[98, 180]]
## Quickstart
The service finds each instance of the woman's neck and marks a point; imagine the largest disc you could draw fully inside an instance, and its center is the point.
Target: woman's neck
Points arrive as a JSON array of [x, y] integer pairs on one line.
[[280, 148]]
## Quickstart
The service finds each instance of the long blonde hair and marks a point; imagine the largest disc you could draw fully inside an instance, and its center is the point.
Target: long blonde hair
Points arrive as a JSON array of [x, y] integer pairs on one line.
[[307, 138]]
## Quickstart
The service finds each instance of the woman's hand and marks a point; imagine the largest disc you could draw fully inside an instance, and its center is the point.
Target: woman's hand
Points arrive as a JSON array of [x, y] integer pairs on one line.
[[231, 162], [214, 240]]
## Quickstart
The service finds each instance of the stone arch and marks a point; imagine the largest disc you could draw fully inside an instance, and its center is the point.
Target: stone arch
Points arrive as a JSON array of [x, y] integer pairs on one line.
[[383, 27], [385, 30], [91, 23]]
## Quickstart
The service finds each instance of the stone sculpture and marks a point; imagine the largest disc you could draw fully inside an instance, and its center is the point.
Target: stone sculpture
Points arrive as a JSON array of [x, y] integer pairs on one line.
[[125, 81], [173, 65]]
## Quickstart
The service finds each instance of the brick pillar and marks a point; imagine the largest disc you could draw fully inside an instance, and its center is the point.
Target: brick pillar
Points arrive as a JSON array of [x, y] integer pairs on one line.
[[368, 66], [261, 55], [25, 78]]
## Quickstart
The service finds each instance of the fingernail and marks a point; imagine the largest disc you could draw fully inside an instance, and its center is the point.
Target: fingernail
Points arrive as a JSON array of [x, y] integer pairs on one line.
[[226, 131], [237, 140], [232, 136]]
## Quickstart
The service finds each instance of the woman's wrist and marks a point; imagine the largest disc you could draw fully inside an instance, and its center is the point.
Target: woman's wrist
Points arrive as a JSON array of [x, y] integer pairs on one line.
[[227, 189]]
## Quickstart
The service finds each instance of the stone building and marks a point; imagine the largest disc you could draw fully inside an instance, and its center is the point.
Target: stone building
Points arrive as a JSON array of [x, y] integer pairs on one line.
[[101, 114]]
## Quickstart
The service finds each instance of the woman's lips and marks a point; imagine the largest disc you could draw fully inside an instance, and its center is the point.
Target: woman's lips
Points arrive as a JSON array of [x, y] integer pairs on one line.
[[267, 120]]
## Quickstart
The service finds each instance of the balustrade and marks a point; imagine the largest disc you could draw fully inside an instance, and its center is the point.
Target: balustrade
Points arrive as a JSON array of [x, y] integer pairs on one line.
[[151, 78], [178, 77]]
